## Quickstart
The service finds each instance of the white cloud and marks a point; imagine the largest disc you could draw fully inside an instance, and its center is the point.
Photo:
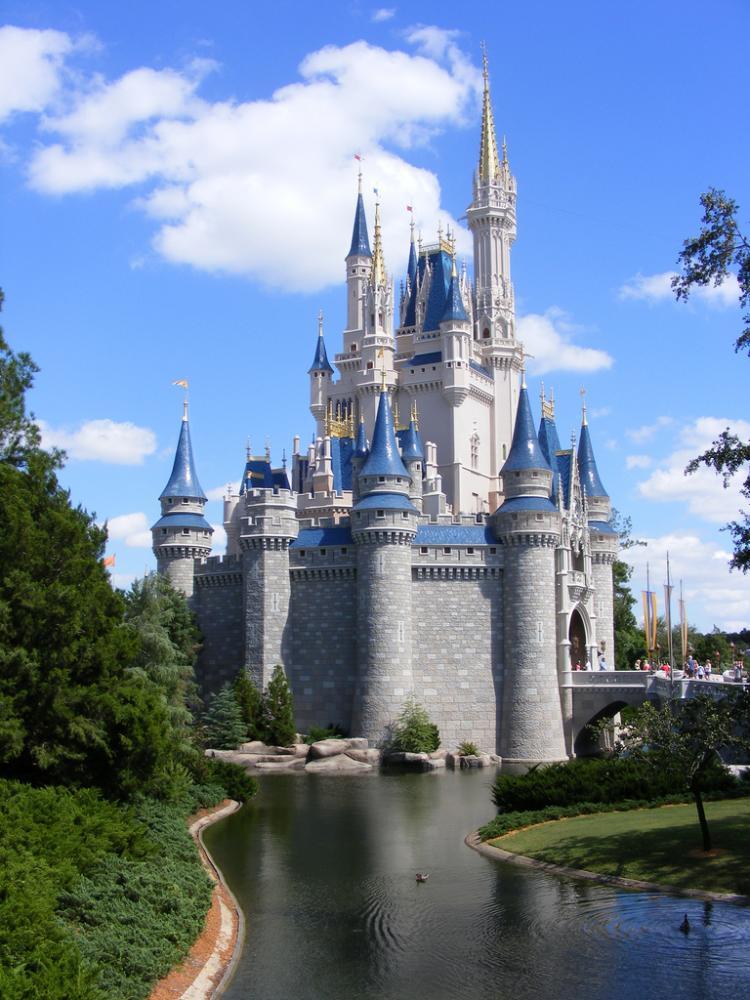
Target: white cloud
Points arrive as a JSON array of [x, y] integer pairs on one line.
[[132, 529], [647, 431], [31, 64], [654, 288], [638, 461], [102, 441], [703, 491], [548, 338], [219, 492], [218, 540], [713, 594], [122, 581], [382, 14], [227, 182]]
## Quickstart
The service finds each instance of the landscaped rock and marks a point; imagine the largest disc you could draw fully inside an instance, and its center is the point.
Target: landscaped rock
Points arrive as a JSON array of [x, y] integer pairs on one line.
[[340, 762], [254, 746], [416, 761], [453, 759], [435, 763], [438, 755], [328, 748], [281, 764], [358, 743], [300, 749], [371, 756], [282, 751]]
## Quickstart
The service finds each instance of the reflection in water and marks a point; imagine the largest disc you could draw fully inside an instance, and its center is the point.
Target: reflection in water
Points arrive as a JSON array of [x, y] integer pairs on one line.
[[324, 870]]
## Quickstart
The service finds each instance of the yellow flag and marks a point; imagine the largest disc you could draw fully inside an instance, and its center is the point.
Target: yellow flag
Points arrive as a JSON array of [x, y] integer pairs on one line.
[[182, 382]]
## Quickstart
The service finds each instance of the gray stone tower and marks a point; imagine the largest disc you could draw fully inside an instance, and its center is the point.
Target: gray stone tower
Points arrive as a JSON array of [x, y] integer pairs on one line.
[[182, 534], [384, 526], [528, 527], [268, 526], [603, 540]]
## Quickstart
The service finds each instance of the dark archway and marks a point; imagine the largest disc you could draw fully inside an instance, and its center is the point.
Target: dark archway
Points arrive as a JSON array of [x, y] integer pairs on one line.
[[590, 744], [578, 641]]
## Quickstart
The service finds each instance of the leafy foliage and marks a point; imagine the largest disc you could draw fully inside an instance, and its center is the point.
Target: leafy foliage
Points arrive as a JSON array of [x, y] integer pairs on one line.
[[250, 701], [233, 779], [684, 738], [413, 732], [709, 258], [19, 435], [629, 643], [592, 780], [329, 732], [223, 723], [468, 749], [279, 709]]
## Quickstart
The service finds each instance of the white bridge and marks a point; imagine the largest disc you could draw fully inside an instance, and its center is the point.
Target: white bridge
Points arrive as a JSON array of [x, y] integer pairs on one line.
[[600, 694]]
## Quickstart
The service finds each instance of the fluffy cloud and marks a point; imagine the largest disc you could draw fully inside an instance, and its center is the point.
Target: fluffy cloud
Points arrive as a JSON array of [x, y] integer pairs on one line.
[[132, 529], [218, 540], [713, 595], [219, 492], [703, 491], [224, 182], [549, 339], [31, 63], [654, 288], [102, 441], [638, 461], [647, 431], [382, 14]]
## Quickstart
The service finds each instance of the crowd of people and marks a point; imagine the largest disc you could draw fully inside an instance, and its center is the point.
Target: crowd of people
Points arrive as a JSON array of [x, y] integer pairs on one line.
[[693, 670]]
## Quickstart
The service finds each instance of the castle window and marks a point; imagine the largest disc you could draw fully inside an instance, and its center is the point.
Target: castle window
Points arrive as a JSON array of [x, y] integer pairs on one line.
[[169, 501], [404, 514], [493, 551], [369, 364], [163, 531], [379, 513], [344, 551], [323, 551], [185, 501], [470, 552], [504, 455], [540, 517], [302, 553], [475, 450], [486, 333], [186, 531], [423, 550], [381, 479], [447, 550]]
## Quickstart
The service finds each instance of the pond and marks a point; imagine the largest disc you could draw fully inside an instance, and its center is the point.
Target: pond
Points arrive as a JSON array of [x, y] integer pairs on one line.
[[324, 867]]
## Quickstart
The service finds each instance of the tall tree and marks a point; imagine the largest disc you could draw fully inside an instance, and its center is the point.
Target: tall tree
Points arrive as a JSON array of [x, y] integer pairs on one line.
[[721, 249], [279, 707], [629, 643]]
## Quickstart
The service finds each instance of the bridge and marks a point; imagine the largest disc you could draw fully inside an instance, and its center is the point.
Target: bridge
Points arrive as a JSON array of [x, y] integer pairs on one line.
[[593, 695]]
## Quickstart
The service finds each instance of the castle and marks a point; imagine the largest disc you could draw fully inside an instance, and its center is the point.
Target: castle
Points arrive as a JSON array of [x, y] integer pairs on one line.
[[431, 541]]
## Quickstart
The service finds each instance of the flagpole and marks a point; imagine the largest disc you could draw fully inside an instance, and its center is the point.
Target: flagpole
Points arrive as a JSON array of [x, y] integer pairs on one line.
[[668, 595]]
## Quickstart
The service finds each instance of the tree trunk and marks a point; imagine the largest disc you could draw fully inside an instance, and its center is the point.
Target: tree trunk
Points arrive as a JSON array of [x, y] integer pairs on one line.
[[706, 833]]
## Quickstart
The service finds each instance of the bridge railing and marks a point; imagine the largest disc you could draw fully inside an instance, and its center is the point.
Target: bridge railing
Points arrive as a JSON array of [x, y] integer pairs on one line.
[[606, 678]]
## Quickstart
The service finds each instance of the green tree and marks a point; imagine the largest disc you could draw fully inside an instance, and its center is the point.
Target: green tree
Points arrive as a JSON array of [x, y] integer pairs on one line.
[[279, 709], [629, 640], [252, 706], [224, 727], [72, 710], [686, 738], [719, 250]]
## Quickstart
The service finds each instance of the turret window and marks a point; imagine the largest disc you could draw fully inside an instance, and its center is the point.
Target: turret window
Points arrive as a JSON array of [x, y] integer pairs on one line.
[[475, 450], [186, 531], [379, 513]]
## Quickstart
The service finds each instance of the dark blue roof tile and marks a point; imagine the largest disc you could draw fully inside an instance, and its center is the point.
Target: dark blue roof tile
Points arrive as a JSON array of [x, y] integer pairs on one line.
[[454, 534], [603, 527], [178, 520], [361, 448], [516, 504], [385, 501], [441, 265], [360, 241], [587, 471], [411, 444], [454, 311], [320, 361], [425, 359], [525, 452], [475, 366], [384, 459], [309, 538]]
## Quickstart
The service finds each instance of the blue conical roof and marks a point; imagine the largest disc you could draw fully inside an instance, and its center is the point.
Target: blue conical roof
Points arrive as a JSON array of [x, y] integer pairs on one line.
[[384, 459], [587, 470], [411, 268], [525, 451], [454, 304], [549, 442], [320, 361], [184, 481], [360, 445], [411, 445], [360, 241]]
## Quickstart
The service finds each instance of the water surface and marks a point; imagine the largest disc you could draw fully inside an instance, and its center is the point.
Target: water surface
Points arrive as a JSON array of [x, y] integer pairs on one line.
[[324, 870]]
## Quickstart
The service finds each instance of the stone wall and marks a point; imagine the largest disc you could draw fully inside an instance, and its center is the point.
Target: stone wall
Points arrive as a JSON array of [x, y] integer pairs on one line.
[[322, 666], [218, 606], [457, 651]]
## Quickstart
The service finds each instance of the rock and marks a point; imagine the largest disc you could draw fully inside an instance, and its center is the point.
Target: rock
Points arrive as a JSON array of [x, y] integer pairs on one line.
[[282, 751], [496, 758], [301, 749], [358, 743], [370, 756], [453, 759], [485, 759], [416, 761], [340, 762], [438, 755], [470, 760], [281, 764], [254, 746], [435, 763], [327, 748]]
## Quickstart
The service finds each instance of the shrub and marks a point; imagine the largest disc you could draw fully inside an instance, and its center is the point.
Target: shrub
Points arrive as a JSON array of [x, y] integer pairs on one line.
[[413, 732], [232, 778], [250, 700], [329, 732], [592, 780], [279, 709], [468, 749], [224, 728]]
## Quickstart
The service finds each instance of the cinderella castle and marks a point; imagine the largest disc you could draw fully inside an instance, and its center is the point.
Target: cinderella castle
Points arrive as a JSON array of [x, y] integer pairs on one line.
[[431, 541]]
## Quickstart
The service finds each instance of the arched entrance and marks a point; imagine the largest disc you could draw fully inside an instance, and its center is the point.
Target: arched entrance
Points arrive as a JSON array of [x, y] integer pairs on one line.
[[578, 642], [588, 742]]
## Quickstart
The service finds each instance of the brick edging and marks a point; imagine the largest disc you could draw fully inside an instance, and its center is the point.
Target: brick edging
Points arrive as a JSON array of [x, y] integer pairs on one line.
[[498, 854]]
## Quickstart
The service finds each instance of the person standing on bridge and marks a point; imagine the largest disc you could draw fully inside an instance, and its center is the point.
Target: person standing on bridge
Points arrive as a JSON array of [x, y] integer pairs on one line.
[[602, 661]]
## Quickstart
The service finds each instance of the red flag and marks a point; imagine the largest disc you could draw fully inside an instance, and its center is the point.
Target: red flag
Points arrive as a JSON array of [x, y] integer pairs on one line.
[[409, 208], [357, 156], [108, 561]]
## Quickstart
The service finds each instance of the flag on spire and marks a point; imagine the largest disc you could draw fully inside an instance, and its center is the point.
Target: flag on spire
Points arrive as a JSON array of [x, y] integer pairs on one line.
[[182, 383], [108, 561]]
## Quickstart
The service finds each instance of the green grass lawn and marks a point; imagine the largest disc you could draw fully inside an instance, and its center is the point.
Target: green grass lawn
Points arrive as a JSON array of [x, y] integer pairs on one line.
[[657, 845]]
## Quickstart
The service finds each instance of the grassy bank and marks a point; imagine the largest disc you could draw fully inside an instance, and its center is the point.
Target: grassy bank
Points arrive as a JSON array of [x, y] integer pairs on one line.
[[659, 845]]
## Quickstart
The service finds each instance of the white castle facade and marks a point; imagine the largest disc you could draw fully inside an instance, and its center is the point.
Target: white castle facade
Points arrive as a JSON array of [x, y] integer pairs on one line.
[[431, 541]]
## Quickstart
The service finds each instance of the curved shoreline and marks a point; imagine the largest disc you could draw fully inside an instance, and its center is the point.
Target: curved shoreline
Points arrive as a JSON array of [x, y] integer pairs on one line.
[[209, 965], [473, 841]]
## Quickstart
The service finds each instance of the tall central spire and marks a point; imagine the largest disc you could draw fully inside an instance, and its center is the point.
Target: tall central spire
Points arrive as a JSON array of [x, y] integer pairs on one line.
[[489, 163], [378, 260]]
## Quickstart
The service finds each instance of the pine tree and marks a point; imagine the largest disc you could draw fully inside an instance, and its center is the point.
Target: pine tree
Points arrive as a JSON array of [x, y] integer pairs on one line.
[[252, 706], [279, 706], [224, 727]]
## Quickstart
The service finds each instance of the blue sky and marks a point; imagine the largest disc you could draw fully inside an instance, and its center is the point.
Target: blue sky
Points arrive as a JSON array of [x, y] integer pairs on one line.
[[177, 192]]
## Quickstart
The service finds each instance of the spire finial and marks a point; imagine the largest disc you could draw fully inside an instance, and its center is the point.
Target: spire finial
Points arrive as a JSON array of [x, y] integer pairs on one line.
[[378, 260], [523, 373], [414, 414], [381, 354], [320, 323], [248, 450], [584, 421], [505, 151], [489, 167], [185, 409]]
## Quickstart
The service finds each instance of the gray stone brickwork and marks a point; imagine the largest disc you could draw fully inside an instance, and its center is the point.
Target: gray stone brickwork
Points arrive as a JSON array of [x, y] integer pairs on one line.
[[218, 605]]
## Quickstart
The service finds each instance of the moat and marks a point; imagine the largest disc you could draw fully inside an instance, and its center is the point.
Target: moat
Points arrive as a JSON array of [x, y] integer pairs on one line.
[[324, 870]]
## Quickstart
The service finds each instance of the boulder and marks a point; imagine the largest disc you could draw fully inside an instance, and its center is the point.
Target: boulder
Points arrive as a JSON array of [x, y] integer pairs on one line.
[[338, 763], [415, 761], [301, 749], [282, 751], [327, 748], [370, 756], [281, 764], [358, 743], [254, 746], [453, 758], [435, 763], [438, 755]]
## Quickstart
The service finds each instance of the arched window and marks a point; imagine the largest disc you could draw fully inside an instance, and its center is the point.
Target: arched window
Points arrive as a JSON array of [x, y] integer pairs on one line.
[[475, 450]]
